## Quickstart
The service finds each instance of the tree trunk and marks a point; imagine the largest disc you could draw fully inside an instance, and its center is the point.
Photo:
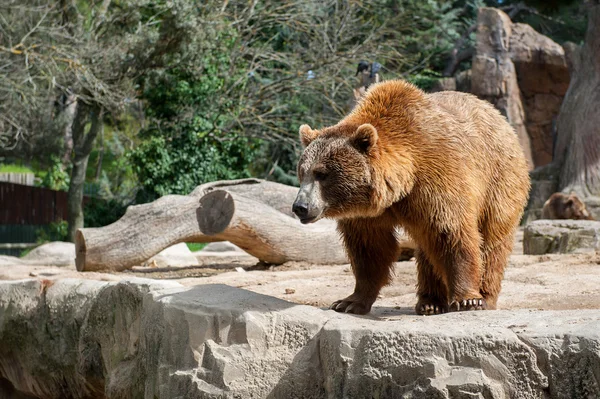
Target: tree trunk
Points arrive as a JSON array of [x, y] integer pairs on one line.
[[253, 214], [69, 116], [82, 146], [578, 144], [100, 153]]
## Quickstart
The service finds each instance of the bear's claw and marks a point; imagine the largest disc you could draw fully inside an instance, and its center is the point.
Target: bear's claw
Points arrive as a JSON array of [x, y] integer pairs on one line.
[[468, 304], [426, 307], [429, 309]]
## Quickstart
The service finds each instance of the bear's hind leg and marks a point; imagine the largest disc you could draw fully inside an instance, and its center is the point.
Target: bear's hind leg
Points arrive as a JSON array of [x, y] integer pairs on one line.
[[372, 251], [495, 258], [431, 290]]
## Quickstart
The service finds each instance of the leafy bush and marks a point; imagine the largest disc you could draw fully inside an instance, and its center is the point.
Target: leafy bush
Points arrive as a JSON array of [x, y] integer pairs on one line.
[[178, 165], [56, 178], [57, 231], [98, 212]]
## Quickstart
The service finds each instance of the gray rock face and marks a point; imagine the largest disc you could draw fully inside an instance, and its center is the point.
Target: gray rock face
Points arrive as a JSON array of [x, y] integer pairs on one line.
[[147, 339], [561, 236]]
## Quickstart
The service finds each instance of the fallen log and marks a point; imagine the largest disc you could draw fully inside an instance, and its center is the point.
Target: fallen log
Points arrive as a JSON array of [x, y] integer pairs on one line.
[[253, 214]]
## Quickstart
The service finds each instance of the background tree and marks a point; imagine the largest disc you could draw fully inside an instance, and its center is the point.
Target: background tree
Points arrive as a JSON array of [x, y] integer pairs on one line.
[[578, 145]]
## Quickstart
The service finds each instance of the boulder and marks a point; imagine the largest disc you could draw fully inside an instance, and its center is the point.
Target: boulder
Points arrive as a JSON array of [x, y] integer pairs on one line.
[[592, 204], [6, 260], [493, 73], [142, 338], [561, 236], [444, 84], [525, 75], [223, 251], [52, 254], [543, 75], [178, 255], [222, 246]]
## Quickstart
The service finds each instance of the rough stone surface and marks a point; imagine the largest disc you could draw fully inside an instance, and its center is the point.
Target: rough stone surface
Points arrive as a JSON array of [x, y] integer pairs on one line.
[[592, 204], [53, 253], [177, 255], [561, 236], [494, 76], [544, 182], [525, 75], [543, 76], [142, 338]]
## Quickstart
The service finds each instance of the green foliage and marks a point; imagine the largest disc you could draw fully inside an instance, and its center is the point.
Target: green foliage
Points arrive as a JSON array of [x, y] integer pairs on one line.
[[99, 212], [188, 141], [56, 178], [57, 231], [561, 20], [195, 246], [424, 80], [179, 164], [14, 168]]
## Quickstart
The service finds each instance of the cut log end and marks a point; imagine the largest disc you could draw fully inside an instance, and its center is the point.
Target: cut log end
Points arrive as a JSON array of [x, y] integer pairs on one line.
[[80, 251], [215, 212]]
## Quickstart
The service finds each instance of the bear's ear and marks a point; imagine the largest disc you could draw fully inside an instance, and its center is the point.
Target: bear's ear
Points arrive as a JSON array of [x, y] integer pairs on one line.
[[307, 135], [365, 138]]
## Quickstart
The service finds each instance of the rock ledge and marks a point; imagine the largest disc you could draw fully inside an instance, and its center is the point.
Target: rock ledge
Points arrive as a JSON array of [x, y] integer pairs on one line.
[[143, 338]]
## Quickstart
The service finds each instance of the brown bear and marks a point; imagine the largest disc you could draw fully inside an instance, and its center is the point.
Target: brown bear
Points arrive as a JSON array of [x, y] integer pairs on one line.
[[563, 206], [446, 167]]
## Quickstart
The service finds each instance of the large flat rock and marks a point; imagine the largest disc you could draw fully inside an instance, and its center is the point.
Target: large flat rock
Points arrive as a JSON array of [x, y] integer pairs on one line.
[[561, 236], [143, 338]]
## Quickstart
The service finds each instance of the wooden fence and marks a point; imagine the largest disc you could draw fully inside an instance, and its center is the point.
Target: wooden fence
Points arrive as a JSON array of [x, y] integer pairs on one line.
[[20, 204], [26, 209]]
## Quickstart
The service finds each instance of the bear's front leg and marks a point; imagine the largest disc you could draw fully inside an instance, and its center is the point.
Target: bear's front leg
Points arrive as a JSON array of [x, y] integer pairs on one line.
[[372, 248], [464, 272]]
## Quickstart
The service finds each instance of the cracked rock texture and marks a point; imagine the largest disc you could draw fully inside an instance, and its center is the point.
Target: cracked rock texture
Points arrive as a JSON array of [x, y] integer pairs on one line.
[[147, 339], [561, 236]]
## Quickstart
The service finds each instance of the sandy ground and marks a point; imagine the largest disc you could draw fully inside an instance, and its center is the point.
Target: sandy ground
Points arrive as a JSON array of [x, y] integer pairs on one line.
[[559, 282]]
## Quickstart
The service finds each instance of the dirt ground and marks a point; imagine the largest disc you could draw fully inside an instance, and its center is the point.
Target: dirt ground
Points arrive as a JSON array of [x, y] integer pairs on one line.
[[558, 282]]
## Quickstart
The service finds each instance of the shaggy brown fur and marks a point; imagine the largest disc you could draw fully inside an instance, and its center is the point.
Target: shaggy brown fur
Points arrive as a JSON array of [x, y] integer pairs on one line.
[[447, 167], [563, 206]]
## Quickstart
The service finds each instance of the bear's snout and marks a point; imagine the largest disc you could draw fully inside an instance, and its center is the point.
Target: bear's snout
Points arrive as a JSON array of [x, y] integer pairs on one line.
[[300, 209], [306, 211]]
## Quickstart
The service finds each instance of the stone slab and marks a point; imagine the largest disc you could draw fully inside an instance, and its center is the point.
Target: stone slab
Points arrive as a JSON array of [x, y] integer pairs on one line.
[[144, 338]]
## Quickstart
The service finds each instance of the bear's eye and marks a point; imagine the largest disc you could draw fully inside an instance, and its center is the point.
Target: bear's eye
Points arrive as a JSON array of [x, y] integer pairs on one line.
[[320, 175]]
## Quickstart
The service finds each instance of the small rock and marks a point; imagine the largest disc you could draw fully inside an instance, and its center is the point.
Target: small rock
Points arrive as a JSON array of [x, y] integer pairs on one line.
[[177, 255], [289, 291], [222, 246]]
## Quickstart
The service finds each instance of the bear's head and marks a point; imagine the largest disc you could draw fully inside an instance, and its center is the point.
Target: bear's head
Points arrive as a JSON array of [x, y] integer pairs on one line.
[[336, 172], [575, 208]]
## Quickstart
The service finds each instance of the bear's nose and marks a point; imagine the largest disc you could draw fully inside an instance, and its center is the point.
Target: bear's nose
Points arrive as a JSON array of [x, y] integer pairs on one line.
[[300, 209]]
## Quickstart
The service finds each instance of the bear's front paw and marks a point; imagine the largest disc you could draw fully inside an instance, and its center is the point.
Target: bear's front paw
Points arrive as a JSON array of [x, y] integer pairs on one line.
[[427, 307], [468, 304], [352, 305]]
